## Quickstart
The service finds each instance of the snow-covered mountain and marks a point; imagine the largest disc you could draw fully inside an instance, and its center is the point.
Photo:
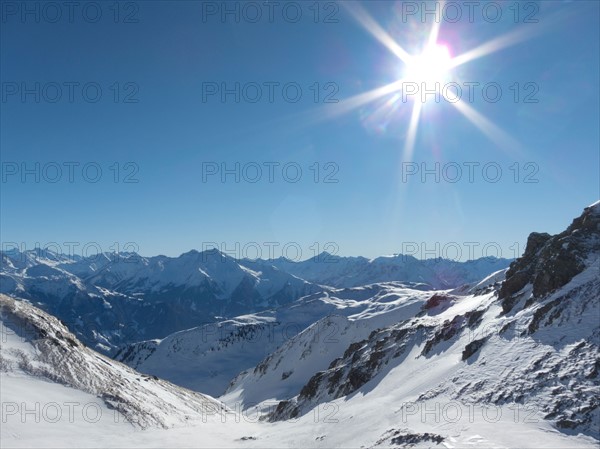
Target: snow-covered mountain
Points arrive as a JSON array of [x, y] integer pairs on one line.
[[508, 361], [206, 358], [110, 299], [527, 346], [437, 273], [113, 299]]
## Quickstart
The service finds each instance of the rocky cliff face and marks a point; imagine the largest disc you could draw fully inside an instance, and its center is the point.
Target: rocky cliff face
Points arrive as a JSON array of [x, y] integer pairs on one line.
[[549, 262]]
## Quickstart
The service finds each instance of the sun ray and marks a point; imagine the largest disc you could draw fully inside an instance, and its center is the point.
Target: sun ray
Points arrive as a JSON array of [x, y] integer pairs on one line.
[[435, 29], [329, 111], [504, 41], [487, 127], [369, 24], [411, 135], [348, 104], [385, 110]]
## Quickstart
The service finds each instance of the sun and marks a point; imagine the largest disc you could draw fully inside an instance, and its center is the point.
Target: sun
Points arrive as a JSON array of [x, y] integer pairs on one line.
[[432, 71], [432, 66]]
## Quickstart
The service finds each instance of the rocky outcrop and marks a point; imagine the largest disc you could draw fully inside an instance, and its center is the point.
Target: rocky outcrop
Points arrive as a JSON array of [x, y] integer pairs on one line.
[[406, 439], [550, 262]]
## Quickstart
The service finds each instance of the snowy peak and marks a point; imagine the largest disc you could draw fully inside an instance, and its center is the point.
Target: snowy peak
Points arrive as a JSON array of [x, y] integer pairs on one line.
[[340, 272], [550, 262], [37, 346], [116, 299]]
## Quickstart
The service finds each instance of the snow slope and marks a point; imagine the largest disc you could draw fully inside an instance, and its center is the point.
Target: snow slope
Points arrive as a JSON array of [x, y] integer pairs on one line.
[[206, 358], [38, 349], [385, 414], [54, 395]]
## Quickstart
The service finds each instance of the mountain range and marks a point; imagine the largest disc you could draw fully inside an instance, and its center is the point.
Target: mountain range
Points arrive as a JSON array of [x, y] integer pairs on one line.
[[508, 360], [110, 299]]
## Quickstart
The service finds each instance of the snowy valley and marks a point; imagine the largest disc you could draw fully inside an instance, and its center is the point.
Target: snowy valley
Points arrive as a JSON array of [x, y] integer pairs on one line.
[[391, 352]]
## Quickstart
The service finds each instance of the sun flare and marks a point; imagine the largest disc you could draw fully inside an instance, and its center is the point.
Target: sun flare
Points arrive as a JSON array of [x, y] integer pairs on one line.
[[427, 77], [433, 65]]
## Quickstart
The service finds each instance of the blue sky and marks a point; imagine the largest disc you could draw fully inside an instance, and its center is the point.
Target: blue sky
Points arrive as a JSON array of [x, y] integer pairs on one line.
[[174, 51]]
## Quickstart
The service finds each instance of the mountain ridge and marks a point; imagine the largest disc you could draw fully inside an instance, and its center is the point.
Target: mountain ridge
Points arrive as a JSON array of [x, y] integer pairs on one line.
[[113, 299]]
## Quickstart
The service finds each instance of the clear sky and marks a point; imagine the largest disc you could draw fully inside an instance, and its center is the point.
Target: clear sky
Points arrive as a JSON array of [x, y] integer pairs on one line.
[[163, 120]]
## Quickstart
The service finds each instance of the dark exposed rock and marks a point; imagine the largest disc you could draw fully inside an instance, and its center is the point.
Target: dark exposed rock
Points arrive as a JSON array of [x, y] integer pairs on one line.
[[414, 438], [404, 438], [436, 300], [357, 378], [448, 330], [284, 409], [334, 363], [566, 424], [375, 359], [521, 270], [334, 380], [473, 347], [474, 317], [542, 313], [353, 348], [310, 389], [549, 262]]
